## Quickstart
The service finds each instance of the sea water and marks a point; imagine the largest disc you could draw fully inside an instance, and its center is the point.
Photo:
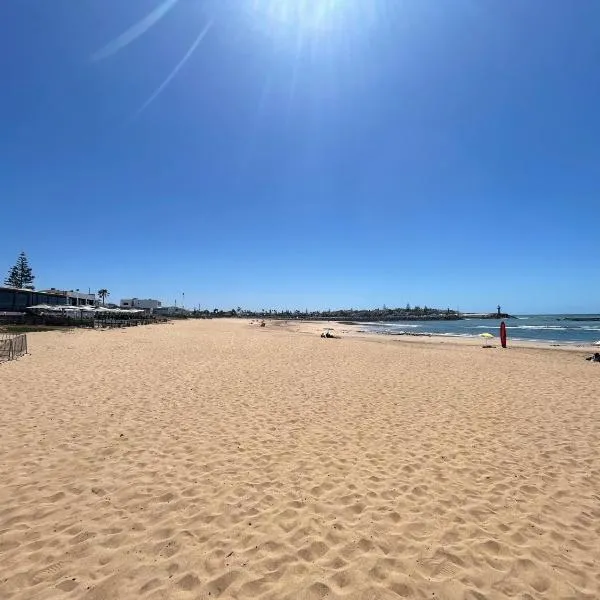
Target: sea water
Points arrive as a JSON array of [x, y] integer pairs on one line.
[[556, 329]]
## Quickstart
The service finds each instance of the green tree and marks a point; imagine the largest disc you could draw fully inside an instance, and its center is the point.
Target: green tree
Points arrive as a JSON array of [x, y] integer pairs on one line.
[[104, 294], [21, 275]]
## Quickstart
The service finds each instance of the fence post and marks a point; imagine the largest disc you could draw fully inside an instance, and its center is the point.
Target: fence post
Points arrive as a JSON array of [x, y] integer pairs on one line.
[[12, 346]]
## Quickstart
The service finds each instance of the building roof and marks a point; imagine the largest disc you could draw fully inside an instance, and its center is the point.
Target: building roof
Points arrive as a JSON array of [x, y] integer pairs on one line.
[[71, 293], [94, 309], [10, 288]]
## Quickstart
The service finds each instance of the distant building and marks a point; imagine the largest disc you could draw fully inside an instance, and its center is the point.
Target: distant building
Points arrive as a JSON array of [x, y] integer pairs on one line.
[[146, 304], [17, 299], [73, 298]]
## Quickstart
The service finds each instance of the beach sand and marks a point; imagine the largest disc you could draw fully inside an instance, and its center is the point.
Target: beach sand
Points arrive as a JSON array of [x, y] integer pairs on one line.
[[218, 459]]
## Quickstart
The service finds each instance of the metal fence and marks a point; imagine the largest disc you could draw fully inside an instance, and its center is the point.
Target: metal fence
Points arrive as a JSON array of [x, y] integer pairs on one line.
[[100, 323], [12, 345], [101, 320]]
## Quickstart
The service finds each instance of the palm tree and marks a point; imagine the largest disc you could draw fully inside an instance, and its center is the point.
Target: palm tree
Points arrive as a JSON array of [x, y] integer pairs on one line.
[[103, 293]]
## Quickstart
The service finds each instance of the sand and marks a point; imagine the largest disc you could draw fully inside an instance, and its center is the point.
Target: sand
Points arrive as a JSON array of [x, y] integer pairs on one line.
[[215, 459]]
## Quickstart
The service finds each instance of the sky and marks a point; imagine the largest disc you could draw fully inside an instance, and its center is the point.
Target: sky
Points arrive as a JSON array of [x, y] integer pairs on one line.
[[305, 154]]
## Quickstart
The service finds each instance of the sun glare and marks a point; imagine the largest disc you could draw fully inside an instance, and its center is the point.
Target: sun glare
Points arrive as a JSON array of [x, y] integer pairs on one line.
[[313, 23], [309, 16], [300, 25]]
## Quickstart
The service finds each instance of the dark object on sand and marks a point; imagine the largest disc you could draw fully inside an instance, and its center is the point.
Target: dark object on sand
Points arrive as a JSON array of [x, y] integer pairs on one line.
[[502, 333], [328, 334], [595, 358]]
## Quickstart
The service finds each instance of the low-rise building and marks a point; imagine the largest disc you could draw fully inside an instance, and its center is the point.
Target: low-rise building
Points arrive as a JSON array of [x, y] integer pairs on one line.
[[17, 299], [144, 303], [73, 298]]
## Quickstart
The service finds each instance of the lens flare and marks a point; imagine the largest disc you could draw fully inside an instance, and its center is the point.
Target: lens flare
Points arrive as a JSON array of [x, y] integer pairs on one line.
[[135, 31]]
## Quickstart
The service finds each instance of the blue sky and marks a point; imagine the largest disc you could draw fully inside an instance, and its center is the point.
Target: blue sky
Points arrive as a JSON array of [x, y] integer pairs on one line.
[[325, 154]]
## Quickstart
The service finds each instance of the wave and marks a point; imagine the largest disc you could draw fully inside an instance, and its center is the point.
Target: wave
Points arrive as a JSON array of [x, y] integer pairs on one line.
[[455, 334], [394, 325], [547, 327], [550, 327], [534, 329], [554, 328]]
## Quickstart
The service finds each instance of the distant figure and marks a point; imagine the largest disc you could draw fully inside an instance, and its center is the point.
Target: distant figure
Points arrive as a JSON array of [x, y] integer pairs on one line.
[[328, 334], [595, 358], [263, 324]]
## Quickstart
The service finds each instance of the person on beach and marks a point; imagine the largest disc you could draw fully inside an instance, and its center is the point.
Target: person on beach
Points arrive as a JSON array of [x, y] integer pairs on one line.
[[595, 358]]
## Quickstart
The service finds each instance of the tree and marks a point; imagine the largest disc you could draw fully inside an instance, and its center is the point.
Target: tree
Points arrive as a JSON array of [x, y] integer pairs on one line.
[[21, 275], [104, 294]]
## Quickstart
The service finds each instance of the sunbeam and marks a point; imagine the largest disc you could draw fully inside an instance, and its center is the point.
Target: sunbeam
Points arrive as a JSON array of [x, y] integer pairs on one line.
[[135, 31]]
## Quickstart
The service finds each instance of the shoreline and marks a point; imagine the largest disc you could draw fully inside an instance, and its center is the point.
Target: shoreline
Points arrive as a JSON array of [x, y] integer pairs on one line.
[[356, 330]]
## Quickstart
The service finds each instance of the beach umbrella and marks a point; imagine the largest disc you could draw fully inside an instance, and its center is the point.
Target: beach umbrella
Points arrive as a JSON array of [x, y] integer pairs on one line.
[[486, 336]]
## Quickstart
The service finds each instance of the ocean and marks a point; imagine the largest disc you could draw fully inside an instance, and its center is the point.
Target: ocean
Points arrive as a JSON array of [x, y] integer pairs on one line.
[[552, 329]]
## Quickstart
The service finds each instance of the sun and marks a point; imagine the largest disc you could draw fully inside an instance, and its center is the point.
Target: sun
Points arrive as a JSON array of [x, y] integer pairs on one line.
[[296, 24], [314, 22], [308, 16]]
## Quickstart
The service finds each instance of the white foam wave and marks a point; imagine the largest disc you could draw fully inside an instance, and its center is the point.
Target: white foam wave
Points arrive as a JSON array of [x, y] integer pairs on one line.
[[549, 327], [452, 334], [538, 327]]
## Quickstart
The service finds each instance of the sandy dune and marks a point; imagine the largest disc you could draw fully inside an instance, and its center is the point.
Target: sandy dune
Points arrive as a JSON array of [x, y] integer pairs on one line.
[[214, 459]]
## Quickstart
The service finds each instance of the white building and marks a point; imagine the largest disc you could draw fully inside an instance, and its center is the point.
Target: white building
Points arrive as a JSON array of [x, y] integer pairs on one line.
[[145, 304]]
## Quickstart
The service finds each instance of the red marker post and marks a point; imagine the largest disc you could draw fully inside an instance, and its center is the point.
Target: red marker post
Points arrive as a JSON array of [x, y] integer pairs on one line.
[[503, 334]]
